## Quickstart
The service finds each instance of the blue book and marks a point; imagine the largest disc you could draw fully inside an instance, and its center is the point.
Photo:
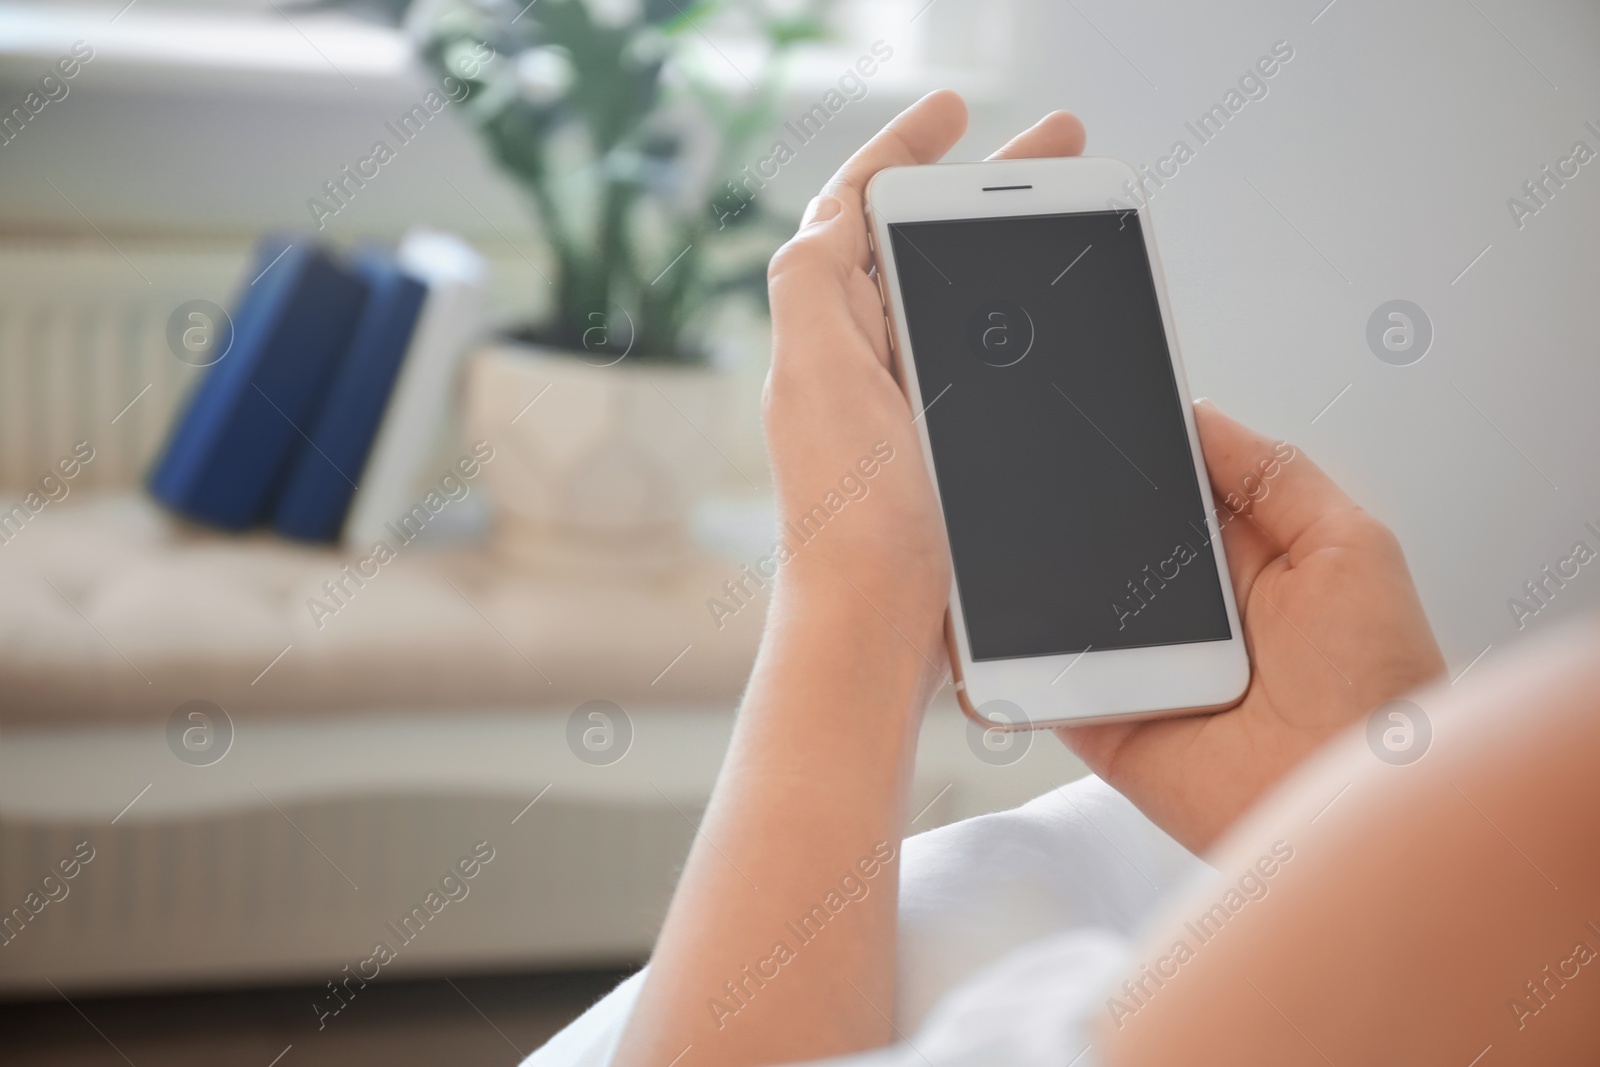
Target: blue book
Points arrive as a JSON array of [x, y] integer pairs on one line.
[[228, 450], [327, 465]]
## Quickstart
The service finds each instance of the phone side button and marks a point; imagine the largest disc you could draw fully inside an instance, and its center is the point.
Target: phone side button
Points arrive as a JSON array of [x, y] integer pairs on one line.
[[883, 293], [871, 244], [888, 331]]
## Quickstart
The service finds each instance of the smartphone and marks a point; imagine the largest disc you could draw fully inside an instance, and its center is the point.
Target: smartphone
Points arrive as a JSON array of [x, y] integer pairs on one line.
[[1033, 336]]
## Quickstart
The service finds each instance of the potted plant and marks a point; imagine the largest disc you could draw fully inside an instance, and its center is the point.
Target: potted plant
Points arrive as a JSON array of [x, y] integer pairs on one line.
[[628, 153]]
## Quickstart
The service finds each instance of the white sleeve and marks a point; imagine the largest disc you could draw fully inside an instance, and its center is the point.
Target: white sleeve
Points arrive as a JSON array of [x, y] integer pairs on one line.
[[1079, 857], [1031, 1009], [1032, 905], [591, 1039]]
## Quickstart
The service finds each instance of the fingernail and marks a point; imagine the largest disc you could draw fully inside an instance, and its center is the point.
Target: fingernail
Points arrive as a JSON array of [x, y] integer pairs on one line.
[[821, 209]]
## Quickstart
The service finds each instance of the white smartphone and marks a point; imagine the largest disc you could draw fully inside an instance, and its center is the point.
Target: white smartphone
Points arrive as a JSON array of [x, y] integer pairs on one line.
[[1033, 336]]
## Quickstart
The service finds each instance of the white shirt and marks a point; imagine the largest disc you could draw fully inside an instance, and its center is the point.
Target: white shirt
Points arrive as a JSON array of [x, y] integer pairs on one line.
[[1012, 929]]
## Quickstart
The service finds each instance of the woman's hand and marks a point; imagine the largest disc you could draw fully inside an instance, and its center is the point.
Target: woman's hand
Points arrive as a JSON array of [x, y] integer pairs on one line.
[[816, 778], [1334, 628], [834, 411]]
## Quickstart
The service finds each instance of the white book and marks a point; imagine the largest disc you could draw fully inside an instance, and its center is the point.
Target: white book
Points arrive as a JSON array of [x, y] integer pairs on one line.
[[452, 319]]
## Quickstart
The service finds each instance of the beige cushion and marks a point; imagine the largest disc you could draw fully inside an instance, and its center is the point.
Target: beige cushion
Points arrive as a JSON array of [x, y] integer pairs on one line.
[[162, 612]]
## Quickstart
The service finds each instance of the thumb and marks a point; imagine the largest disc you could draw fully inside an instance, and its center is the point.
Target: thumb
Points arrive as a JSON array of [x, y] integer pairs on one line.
[[832, 235]]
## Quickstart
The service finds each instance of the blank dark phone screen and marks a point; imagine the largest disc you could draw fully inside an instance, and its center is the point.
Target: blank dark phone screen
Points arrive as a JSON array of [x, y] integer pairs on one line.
[[1059, 446]]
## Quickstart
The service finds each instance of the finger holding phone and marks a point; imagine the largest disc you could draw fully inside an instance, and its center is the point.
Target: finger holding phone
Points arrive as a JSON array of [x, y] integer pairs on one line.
[[1334, 626], [818, 772], [819, 768], [1028, 315]]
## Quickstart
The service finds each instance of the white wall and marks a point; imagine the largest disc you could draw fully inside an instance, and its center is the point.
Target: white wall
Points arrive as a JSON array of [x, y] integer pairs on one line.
[[1391, 143], [1378, 167]]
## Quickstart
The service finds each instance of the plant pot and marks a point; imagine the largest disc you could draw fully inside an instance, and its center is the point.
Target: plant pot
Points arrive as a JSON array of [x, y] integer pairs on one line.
[[595, 467]]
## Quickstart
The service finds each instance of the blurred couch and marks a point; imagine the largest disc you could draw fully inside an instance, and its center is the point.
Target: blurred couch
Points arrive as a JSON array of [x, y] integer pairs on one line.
[[441, 707]]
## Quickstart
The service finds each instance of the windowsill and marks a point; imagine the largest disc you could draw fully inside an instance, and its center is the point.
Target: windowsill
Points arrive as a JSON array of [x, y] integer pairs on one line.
[[336, 56]]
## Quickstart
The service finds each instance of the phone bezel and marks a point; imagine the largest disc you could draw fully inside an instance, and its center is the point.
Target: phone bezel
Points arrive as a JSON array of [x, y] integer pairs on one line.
[[1075, 688]]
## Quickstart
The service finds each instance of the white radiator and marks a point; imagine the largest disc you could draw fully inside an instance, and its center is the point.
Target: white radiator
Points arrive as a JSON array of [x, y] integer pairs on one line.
[[246, 896], [83, 350], [84, 353]]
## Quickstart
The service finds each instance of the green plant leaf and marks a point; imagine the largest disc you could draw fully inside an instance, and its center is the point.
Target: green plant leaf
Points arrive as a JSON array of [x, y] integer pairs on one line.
[[615, 222]]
